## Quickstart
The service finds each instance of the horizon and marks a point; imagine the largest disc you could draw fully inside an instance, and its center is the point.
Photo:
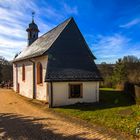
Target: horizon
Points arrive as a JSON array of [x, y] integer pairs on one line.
[[110, 28]]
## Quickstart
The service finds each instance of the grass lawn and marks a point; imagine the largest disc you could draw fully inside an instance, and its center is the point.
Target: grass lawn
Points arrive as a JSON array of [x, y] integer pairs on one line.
[[108, 89], [115, 110]]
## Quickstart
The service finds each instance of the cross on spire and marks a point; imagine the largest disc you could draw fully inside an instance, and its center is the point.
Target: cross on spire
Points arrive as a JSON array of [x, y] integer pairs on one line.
[[33, 14]]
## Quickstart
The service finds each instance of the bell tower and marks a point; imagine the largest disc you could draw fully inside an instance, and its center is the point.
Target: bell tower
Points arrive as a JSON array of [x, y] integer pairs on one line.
[[32, 31]]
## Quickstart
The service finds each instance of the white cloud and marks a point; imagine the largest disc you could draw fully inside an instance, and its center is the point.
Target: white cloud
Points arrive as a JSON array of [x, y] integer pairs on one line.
[[133, 49], [131, 23], [70, 10], [15, 16], [15, 31], [109, 48], [12, 43]]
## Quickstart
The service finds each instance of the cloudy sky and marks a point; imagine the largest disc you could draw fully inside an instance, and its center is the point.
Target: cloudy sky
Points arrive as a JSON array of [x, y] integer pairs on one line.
[[110, 27]]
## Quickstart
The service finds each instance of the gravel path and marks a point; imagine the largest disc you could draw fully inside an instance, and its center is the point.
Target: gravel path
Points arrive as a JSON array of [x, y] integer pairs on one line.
[[21, 120]]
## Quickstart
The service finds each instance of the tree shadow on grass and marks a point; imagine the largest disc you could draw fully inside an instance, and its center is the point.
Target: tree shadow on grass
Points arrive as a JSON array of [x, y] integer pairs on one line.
[[108, 99], [17, 127]]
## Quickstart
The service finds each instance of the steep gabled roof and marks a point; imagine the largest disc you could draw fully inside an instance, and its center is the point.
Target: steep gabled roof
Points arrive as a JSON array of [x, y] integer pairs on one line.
[[43, 43], [70, 58]]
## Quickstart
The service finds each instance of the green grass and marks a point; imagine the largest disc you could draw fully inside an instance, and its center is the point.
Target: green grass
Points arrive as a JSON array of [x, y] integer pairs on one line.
[[115, 110], [109, 89]]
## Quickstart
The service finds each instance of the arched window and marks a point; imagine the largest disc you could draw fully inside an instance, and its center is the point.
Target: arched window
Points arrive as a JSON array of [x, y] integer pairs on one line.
[[23, 72], [39, 73], [33, 35], [29, 34]]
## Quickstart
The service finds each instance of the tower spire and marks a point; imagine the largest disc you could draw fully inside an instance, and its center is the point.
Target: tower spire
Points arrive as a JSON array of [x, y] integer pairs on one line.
[[33, 14], [32, 31]]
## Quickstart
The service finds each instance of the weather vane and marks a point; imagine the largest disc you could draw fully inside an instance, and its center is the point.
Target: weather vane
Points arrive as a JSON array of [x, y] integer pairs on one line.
[[33, 14]]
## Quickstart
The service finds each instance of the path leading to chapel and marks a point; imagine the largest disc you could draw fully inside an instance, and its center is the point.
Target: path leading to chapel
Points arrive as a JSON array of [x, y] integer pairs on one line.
[[20, 120]]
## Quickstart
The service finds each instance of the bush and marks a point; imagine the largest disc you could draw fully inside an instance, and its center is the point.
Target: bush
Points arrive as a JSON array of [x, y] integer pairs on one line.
[[130, 90], [137, 101]]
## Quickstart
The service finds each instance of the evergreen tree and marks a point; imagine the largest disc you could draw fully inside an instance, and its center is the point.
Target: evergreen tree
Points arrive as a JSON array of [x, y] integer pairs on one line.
[[0, 73], [120, 73], [106, 72]]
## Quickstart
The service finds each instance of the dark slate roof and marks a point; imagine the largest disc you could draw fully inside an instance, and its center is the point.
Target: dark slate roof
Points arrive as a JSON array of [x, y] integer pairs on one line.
[[70, 58], [42, 44], [32, 25]]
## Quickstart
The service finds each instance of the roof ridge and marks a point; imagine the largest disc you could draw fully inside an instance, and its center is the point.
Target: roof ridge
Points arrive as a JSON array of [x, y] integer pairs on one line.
[[67, 20], [58, 29]]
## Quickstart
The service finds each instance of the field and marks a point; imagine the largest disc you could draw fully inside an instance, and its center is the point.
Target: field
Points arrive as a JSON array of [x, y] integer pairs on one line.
[[116, 110]]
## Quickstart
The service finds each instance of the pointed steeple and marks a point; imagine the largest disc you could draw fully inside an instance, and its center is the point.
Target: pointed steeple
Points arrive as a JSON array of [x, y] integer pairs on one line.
[[33, 13], [32, 31]]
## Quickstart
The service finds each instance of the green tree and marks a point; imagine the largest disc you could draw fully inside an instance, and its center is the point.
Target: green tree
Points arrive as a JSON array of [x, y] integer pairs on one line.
[[0, 73], [132, 65], [120, 73], [130, 59], [5, 70], [125, 69], [106, 72]]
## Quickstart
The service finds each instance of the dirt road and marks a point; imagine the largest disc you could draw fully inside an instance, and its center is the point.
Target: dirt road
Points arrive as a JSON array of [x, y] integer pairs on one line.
[[21, 120]]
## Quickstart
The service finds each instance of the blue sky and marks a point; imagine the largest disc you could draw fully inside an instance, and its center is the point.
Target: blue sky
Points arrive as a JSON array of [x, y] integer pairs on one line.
[[111, 27]]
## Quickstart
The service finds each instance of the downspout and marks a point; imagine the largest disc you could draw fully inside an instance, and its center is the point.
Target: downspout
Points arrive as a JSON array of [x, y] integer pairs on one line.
[[97, 92], [16, 77], [34, 92], [17, 84], [51, 92]]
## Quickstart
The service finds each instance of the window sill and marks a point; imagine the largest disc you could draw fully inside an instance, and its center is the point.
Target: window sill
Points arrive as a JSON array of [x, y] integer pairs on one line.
[[41, 84], [75, 97]]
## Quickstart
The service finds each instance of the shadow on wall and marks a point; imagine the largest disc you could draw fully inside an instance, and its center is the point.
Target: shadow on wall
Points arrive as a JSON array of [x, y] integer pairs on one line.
[[19, 127]]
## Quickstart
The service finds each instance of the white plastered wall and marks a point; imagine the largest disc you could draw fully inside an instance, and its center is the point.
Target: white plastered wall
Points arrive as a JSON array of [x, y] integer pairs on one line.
[[26, 87], [61, 93], [41, 89]]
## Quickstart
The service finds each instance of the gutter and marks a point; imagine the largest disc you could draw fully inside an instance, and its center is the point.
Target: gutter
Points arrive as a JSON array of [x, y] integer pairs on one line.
[[34, 91], [51, 92]]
